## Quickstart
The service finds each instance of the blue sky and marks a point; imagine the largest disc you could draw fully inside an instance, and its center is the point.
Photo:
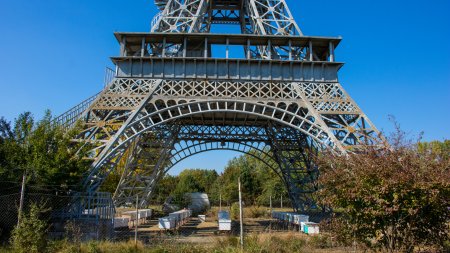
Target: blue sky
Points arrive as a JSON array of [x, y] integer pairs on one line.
[[397, 56]]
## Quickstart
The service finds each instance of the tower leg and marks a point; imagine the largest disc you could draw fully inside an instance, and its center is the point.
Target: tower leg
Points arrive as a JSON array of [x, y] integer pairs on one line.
[[294, 155], [147, 167]]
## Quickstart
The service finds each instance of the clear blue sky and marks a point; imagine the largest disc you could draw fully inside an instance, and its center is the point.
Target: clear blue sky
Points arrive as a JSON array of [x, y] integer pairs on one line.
[[397, 56]]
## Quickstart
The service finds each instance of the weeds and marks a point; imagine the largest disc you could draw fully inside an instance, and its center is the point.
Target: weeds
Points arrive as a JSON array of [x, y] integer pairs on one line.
[[30, 236], [254, 243]]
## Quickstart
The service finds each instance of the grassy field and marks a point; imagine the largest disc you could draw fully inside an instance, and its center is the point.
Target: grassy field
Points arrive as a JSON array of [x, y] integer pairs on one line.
[[270, 243], [205, 239]]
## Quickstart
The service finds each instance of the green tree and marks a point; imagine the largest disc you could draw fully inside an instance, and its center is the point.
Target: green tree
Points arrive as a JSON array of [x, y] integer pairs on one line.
[[228, 182], [259, 182], [204, 178], [5, 129], [52, 155], [165, 188], [5, 151], [187, 184], [440, 149], [273, 187], [42, 150], [256, 177]]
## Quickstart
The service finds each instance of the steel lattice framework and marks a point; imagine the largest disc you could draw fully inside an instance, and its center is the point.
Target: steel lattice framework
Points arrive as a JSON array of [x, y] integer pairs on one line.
[[171, 98]]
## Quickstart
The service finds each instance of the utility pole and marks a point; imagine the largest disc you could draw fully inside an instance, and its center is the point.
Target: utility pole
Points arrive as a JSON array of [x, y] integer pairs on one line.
[[241, 214], [22, 196]]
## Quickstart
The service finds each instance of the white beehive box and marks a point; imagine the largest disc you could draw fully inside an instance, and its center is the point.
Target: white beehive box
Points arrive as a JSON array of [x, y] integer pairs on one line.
[[166, 223], [285, 216], [291, 217], [180, 217], [130, 215], [298, 218], [149, 213], [90, 211], [121, 222], [224, 221], [276, 215], [145, 213], [202, 218], [302, 226], [225, 225], [175, 216], [310, 228]]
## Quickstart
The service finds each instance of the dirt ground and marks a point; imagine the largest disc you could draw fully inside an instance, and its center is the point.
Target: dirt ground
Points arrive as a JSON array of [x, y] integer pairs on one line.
[[206, 233], [195, 231]]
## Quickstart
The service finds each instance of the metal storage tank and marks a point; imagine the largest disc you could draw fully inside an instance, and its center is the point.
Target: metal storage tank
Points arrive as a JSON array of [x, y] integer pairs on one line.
[[199, 202]]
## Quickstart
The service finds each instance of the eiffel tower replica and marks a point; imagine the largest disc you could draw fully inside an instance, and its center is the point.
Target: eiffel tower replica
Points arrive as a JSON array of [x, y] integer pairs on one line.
[[177, 91]]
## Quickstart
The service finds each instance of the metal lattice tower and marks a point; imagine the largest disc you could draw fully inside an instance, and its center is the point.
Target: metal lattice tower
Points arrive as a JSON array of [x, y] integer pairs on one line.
[[172, 97]]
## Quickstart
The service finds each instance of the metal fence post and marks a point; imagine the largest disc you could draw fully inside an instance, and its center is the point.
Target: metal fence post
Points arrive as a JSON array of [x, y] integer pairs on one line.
[[22, 196], [137, 221], [270, 202], [241, 214]]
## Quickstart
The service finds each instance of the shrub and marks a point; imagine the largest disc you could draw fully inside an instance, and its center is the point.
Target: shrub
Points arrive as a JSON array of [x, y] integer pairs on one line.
[[320, 241], [30, 236], [234, 212], [391, 198], [73, 234], [92, 247], [255, 212]]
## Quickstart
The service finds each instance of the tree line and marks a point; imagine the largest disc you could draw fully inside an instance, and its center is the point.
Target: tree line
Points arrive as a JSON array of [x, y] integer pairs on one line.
[[259, 183]]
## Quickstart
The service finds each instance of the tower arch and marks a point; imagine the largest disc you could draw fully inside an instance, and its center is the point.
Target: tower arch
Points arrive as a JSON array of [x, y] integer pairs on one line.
[[181, 151]]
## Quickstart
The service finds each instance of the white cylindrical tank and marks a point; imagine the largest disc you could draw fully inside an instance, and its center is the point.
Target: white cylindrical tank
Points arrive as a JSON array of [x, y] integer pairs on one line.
[[199, 202]]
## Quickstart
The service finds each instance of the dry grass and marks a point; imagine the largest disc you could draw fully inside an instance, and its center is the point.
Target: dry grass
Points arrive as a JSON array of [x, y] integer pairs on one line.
[[282, 242], [261, 243], [249, 212]]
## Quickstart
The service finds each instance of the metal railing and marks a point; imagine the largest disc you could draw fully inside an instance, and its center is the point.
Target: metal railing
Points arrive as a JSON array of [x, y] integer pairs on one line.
[[109, 76], [71, 116]]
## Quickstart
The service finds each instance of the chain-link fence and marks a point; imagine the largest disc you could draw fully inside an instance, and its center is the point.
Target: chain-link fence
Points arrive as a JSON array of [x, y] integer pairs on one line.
[[78, 216], [147, 225], [82, 217]]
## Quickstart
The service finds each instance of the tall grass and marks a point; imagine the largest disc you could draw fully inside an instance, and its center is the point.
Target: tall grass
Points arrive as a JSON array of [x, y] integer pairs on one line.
[[249, 212], [261, 243]]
